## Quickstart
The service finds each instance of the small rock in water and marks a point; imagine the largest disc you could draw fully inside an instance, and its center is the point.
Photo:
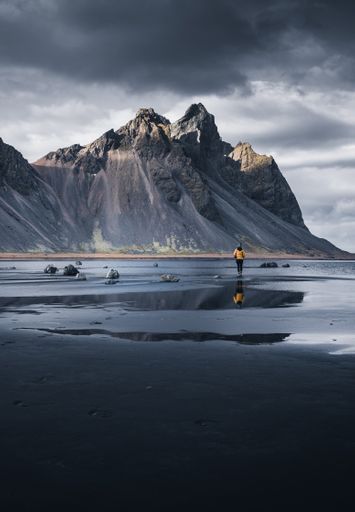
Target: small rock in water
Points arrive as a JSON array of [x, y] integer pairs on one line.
[[50, 269], [78, 263], [112, 274], [70, 270], [169, 278], [269, 264], [216, 277], [286, 265], [81, 276], [105, 266]]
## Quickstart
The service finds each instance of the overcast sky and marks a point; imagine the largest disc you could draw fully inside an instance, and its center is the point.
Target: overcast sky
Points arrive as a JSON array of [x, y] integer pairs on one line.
[[278, 74]]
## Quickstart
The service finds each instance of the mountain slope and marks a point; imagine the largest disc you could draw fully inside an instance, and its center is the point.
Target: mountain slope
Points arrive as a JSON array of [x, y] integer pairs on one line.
[[158, 186], [31, 217]]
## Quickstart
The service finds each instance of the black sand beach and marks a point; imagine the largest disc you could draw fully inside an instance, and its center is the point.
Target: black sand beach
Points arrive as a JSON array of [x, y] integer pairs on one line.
[[171, 396]]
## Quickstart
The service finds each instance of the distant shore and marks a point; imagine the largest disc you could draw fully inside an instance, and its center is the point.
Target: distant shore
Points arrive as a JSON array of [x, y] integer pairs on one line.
[[118, 255]]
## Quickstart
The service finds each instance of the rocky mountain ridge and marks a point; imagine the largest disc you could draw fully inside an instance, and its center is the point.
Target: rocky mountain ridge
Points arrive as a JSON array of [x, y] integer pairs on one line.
[[157, 186]]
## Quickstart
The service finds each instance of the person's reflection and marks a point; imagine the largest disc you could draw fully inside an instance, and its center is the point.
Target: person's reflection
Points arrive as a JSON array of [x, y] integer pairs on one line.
[[238, 297]]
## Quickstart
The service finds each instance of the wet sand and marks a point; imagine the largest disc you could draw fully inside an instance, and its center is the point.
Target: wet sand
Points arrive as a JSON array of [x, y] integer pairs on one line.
[[171, 396]]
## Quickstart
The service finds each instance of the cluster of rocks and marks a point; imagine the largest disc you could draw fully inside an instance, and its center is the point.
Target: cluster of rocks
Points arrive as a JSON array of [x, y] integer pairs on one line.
[[273, 264], [169, 278], [112, 276]]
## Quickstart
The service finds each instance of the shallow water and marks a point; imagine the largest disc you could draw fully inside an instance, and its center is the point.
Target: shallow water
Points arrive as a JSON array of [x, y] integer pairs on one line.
[[311, 300], [177, 396]]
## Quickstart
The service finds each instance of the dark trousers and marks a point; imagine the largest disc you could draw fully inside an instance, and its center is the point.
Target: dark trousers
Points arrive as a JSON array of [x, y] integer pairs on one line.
[[240, 265]]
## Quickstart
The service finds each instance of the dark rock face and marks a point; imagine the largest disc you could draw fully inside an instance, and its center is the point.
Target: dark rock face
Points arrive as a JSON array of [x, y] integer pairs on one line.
[[262, 181], [15, 171], [157, 187], [31, 216]]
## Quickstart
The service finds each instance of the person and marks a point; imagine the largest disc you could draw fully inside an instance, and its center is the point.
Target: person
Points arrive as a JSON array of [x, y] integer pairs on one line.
[[239, 256], [238, 297]]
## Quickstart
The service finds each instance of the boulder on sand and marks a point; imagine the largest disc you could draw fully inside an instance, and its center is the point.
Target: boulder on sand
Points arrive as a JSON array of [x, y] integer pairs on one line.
[[70, 270], [112, 274], [269, 264], [50, 269], [169, 278]]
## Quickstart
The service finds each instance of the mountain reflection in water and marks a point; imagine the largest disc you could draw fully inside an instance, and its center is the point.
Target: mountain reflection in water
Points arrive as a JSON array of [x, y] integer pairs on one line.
[[226, 296], [246, 339]]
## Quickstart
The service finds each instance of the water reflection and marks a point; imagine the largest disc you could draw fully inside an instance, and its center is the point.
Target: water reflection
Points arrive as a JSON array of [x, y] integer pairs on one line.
[[238, 297], [207, 298], [245, 339]]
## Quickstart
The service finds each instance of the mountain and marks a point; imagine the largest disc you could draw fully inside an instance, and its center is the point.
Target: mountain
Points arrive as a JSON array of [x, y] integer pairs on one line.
[[31, 216], [157, 186]]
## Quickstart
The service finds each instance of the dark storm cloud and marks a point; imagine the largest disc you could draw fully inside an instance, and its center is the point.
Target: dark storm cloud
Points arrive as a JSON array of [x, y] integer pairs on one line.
[[186, 46]]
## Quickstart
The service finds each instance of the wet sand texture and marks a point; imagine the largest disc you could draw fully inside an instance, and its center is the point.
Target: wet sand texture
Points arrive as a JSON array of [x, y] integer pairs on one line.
[[156, 399]]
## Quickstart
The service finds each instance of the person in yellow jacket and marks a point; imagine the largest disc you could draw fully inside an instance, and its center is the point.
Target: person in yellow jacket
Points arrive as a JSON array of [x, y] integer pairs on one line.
[[239, 256]]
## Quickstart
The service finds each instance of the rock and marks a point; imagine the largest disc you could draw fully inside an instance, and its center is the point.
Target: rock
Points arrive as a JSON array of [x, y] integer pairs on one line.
[[169, 278], [81, 276], [105, 266], [286, 265], [112, 274], [30, 210], [216, 277], [78, 263], [269, 264], [263, 182], [50, 269], [70, 270], [155, 264]]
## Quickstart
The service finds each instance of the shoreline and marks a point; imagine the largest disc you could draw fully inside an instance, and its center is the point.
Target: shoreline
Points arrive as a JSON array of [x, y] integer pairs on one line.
[[129, 256]]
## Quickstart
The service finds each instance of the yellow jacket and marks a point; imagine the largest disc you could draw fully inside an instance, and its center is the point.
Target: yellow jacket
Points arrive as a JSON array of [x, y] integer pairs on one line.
[[238, 298], [239, 255]]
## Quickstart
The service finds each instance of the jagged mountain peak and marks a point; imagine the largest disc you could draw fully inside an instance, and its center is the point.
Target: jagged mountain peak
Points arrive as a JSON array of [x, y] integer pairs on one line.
[[195, 120], [148, 115], [196, 109], [197, 130], [15, 171], [145, 129], [248, 158], [107, 141], [63, 156]]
